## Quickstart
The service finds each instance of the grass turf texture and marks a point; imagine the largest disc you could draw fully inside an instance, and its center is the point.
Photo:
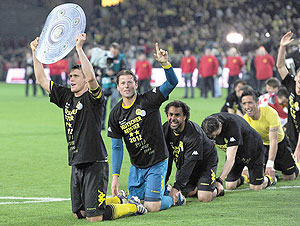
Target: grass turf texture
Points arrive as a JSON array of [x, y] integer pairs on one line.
[[33, 163]]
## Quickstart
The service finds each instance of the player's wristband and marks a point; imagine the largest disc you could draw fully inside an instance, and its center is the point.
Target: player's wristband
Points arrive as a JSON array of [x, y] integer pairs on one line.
[[270, 163], [168, 66], [220, 180]]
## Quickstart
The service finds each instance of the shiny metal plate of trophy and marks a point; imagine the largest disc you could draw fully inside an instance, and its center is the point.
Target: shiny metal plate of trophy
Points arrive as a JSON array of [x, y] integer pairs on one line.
[[58, 37]]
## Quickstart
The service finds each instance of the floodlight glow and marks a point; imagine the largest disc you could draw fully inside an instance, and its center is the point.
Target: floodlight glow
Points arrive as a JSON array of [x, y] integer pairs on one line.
[[234, 38], [267, 34]]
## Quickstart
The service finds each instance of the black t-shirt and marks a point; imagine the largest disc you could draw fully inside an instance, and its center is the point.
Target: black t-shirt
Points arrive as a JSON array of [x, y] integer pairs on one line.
[[233, 102], [237, 131], [140, 126], [191, 150], [293, 111], [82, 116]]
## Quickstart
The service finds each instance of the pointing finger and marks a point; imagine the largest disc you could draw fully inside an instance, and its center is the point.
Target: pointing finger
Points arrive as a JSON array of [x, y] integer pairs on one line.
[[156, 47]]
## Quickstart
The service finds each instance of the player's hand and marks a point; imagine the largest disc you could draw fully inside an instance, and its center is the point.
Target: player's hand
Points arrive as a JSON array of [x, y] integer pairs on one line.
[[115, 185], [161, 55], [80, 40], [286, 39], [34, 44], [297, 155], [270, 171], [174, 194], [220, 189]]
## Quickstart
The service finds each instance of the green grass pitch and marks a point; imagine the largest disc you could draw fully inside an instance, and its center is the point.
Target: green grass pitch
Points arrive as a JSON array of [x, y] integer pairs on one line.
[[33, 164]]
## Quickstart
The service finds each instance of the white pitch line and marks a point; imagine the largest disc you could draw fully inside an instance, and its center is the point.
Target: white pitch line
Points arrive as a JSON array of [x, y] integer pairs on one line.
[[40, 200], [269, 188], [33, 200]]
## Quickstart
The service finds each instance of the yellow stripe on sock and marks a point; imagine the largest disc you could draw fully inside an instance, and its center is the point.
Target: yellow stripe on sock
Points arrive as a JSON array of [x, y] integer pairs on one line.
[[113, 200], [120, 210]]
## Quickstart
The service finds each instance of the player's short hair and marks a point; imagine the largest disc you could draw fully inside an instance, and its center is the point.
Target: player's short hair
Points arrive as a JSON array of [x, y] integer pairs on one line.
[[246, 88], [211, 124], [115, 45], [239, 81], [273, 82], [252, 93], [76, 66], [282, 92], [179, 104], [126, 72]]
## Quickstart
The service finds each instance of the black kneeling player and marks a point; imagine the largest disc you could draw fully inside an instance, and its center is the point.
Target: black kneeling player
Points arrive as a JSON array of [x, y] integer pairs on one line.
[[243, 147], [194, 154]]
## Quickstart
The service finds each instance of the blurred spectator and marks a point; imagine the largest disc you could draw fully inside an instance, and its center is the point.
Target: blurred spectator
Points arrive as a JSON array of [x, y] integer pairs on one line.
[[188, 65], [57, 69], [296, 56], [143, 69], [264, 64], [234, 63], [115, 64], [29, 75], [208, 70]]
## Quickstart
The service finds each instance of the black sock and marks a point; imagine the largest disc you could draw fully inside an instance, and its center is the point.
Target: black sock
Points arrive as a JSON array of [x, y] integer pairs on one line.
[[108, 214], [241, 181]]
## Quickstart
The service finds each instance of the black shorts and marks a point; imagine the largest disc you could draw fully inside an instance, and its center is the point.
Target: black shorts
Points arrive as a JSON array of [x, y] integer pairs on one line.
[[255, 168], [204, 181], [89, 187], [284, 160]]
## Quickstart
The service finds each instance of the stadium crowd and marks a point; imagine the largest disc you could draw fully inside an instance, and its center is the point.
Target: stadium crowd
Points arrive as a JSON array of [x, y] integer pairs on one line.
[[137, 24]]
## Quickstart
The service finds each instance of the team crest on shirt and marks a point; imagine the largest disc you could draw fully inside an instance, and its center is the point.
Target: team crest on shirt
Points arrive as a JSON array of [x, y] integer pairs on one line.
[[79, 106], [67, 105], [154, 90], [140, 112]]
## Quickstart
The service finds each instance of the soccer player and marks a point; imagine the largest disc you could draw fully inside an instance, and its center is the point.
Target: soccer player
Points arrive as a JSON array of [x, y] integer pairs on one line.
[[136, 119], [233, 100], [194, 154], [243, 147], [82, 106], [266, 122], [293, 87]]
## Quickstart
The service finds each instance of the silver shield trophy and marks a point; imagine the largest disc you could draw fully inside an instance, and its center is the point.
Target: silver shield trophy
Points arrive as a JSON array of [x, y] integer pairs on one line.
[[58, 37]]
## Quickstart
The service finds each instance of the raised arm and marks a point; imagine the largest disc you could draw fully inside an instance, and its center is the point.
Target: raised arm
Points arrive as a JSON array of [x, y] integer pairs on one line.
[[285, 40], [38, 67], [162, 57], [87, 67]]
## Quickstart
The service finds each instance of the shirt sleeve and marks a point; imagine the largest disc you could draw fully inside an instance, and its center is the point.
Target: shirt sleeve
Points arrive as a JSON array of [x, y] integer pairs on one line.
[[273, 118], [288, 82], [58, 94], [114, 130], [234, 135]]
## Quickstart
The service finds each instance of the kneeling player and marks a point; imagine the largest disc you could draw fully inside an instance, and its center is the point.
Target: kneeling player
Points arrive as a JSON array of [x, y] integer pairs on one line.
[[193, 152], [243, 147], [266, 122]]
